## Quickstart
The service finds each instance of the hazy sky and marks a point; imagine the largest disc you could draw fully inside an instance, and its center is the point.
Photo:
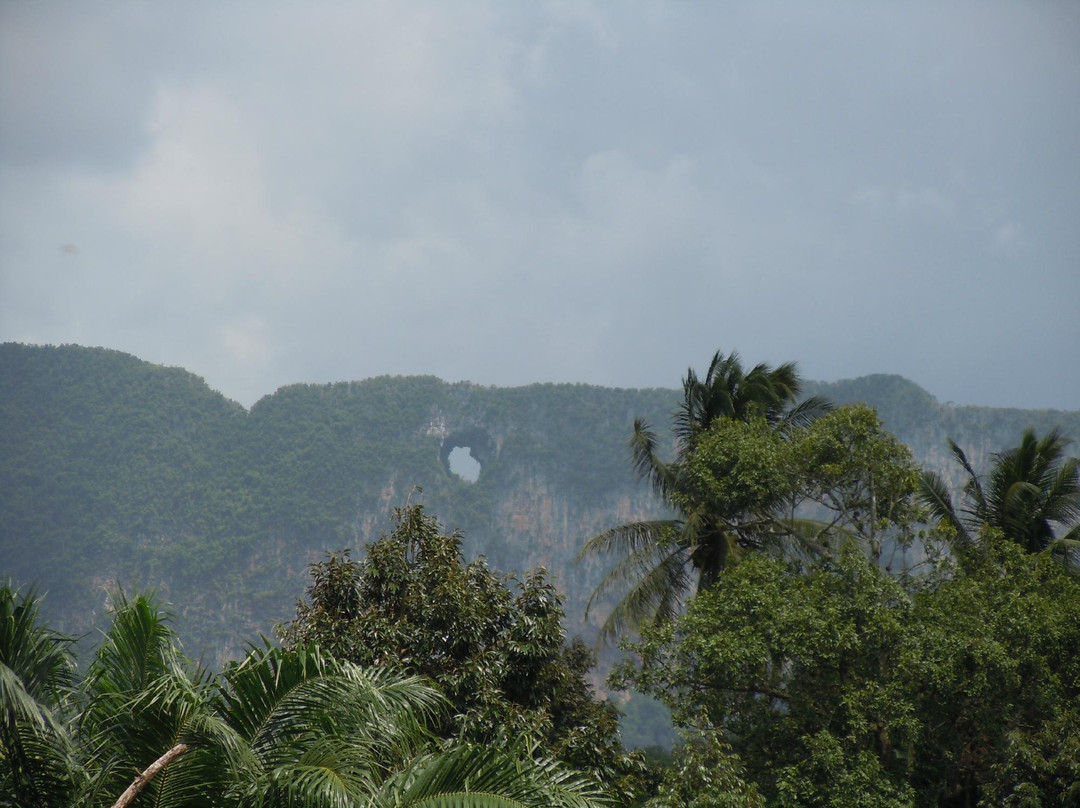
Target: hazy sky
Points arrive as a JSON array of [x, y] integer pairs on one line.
[[512, 192]]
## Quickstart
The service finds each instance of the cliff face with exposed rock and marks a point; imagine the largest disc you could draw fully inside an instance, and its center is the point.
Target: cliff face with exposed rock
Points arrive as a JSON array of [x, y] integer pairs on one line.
[[117, 471]]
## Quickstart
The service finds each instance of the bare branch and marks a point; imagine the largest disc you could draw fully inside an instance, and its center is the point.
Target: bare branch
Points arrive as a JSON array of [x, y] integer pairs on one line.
[[141, 780]]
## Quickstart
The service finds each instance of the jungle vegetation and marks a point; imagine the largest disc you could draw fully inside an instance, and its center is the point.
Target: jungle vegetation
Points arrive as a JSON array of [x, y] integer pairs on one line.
[[281, 727], [115, 471], [846, 628]]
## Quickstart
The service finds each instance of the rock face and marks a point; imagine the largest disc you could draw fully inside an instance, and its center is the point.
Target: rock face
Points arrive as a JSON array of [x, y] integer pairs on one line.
[[114, 471]]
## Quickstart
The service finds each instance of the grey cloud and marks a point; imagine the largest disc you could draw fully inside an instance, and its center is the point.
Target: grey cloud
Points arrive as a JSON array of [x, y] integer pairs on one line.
[[510, 193]]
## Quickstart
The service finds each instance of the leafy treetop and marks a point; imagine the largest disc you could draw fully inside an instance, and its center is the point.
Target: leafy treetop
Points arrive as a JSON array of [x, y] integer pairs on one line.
[[839, 685], [499, 656]]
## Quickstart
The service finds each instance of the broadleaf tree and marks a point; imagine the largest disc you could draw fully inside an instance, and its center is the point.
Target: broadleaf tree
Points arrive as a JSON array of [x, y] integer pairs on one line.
[[495, 647], [837, 684]]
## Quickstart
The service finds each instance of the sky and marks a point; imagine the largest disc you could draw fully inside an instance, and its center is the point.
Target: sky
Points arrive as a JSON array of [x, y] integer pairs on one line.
[[502, 192]]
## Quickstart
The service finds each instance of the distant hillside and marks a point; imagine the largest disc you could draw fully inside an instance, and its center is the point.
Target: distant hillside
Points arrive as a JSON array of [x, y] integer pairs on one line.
[[925, 424], [115, 470]]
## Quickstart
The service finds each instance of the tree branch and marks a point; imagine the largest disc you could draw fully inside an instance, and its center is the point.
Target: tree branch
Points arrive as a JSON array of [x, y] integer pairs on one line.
[[760, 691], [753, 690], [141, 780]]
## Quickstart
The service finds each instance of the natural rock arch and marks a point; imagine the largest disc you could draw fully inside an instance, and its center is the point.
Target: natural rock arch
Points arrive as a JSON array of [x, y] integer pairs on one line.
[[475, 440]]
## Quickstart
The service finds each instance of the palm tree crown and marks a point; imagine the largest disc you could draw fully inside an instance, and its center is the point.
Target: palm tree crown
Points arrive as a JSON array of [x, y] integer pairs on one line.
[[727, 391], [1031, 490]]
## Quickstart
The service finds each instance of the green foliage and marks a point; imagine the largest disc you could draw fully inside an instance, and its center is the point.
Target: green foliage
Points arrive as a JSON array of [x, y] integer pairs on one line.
[[837, 685], [767, 652], [804, 487], [1031, 492], [280, 728], [842, 468], [829, 774], [707, 775], [499, 656], [738, 472], [856, 477], [999, 683], [660, 560], [36, 692]]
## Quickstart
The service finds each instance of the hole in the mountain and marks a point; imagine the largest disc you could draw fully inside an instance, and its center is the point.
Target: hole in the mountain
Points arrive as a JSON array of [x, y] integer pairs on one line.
[[463, 464]]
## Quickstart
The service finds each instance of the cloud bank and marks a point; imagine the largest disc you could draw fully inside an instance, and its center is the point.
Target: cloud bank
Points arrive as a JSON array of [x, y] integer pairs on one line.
[[509, 193]]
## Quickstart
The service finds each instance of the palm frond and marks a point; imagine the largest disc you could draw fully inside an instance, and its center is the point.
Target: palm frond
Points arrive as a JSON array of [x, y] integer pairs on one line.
[[764, 391], [329, 772], [1052, 447], [139, 647], [1066, 550], [470, 799], [785, 381], [1059, 499], [1031, 490], [934, 495], [641, 546], [283, 702], [37, 761], [973, 486], [655, 596], [805, 412], [139, 699], [37, 764], [258, 690], [39, 657], [626, 539], [1017, 513], [488, 777], [647, 464], [175, 708], [18, 706]]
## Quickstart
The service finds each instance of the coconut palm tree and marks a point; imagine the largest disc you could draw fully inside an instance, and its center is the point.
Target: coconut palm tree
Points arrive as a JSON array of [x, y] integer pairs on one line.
[[661, 560], [1031, 492]]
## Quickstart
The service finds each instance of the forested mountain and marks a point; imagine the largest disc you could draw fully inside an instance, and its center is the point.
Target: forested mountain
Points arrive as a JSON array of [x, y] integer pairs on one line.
[[117, 471]]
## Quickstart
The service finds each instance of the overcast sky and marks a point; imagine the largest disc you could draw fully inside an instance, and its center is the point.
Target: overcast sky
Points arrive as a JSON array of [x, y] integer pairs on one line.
[[513, 192]]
